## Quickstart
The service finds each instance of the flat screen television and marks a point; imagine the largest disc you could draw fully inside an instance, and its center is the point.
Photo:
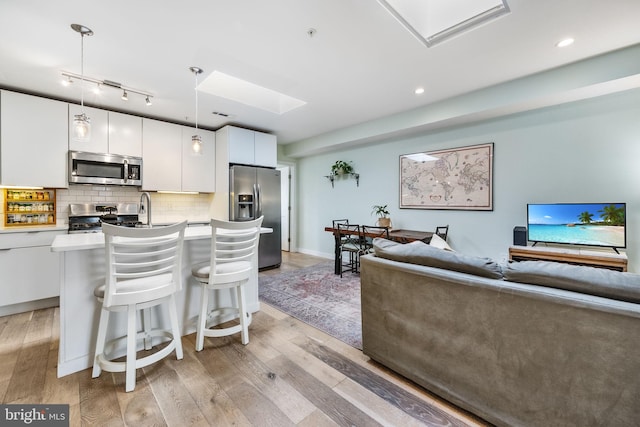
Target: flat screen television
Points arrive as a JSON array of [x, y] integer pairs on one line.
[[590, 224]]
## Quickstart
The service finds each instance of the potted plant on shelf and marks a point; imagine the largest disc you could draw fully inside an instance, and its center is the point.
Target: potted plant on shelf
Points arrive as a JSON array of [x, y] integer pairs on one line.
[[383, 215], [340, 167]]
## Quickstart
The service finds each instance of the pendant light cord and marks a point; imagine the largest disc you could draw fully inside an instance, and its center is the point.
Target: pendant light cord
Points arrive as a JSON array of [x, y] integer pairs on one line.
[[196, 89], [82, 72]]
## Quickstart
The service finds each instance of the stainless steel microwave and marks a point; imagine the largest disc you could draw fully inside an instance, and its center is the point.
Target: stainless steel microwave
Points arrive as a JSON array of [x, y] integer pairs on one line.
[[105, 169]]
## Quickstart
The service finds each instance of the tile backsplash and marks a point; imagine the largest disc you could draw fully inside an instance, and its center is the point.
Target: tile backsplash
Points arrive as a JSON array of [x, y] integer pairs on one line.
[[165, 207]]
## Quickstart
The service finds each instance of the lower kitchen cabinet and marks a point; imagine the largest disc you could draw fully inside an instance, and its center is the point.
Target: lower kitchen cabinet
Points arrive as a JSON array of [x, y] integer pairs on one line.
[[30, 271]]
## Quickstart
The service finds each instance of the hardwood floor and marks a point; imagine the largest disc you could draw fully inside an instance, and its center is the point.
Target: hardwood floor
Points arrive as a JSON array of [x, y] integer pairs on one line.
[[288, 374]]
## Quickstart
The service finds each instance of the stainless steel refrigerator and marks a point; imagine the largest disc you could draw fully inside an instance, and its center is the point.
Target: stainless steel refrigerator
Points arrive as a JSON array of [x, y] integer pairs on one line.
[[253, 192]]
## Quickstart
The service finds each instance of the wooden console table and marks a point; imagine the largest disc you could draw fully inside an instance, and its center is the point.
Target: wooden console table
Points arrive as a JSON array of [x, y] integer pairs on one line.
[[571, 256]]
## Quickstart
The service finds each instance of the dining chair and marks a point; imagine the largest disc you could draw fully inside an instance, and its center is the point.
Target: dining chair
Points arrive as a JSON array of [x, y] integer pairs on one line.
[[370, 232], [340, 221], [351, 242], [442, 231], [143, 270], [234, 257]]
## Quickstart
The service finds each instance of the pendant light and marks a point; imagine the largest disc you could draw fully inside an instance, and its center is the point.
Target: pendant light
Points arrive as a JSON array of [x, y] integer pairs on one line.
[[196, 140], [81, 122]]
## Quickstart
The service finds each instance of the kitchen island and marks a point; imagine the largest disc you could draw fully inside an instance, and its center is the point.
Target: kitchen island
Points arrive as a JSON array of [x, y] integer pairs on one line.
[[82, 270]]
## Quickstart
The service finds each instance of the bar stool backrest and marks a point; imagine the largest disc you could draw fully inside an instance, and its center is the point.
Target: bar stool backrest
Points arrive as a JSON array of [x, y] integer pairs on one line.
[[142, 264], [233, 249]]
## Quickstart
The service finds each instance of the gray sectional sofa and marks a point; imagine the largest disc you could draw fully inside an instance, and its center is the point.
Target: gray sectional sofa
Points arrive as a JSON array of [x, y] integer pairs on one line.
[[525, 344]]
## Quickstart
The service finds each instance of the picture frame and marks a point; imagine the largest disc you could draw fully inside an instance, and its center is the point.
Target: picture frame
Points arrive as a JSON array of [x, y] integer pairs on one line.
[[458, 178]]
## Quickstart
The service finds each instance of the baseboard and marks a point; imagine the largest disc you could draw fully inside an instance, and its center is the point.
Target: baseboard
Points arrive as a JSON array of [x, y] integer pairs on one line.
[[315, 253], [23, 307]]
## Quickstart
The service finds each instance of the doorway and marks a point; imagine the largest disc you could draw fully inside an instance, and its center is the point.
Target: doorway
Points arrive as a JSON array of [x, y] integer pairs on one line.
[[285, 205]]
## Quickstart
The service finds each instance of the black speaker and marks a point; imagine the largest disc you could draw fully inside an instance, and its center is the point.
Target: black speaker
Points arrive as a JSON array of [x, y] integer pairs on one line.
[[520, 236]]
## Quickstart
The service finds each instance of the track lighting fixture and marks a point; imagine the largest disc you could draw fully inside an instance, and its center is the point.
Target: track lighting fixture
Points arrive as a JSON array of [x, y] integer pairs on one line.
[[126, 90], [81, 122], [196, 140]]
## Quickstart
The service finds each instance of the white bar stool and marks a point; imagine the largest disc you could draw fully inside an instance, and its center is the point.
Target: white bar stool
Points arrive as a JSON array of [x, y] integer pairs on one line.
[[234, 247], [143, 267]]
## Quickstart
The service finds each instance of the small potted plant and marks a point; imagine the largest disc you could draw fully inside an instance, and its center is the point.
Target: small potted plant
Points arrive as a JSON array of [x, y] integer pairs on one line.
[[340, 167], [383, 215]]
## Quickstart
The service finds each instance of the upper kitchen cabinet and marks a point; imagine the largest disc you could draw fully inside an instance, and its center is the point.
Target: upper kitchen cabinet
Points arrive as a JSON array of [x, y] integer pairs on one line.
[[34, 136], [198, 170], [111, 132], [161, 156], [99, 119], [241, 143], [125, 134], [247, 147], [266, 149], [168, 162]]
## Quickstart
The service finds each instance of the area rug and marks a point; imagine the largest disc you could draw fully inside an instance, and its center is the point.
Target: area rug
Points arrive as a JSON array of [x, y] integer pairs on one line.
[[319, 298]]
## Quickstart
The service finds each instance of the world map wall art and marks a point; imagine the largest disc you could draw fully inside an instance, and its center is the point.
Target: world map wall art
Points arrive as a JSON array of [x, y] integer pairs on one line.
[[456, 178]]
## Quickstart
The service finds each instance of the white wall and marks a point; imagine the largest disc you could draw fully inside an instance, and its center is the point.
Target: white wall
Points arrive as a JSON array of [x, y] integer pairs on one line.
[[587, 151]]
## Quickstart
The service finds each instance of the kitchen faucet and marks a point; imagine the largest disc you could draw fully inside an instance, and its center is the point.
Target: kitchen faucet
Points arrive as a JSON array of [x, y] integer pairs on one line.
[[143, 196]]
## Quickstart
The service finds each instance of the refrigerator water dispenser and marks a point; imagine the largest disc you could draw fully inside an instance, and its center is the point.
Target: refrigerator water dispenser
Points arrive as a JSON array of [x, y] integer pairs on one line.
[[245, 207]]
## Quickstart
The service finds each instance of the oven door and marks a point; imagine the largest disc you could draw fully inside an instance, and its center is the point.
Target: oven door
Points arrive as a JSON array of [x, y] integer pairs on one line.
[[105, 169]]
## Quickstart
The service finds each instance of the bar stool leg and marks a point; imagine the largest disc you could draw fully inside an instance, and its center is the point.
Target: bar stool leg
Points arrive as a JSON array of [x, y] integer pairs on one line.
[[130, 367], [173, 315], [100, 341], [202, 319], [243, 315], [146, 323]]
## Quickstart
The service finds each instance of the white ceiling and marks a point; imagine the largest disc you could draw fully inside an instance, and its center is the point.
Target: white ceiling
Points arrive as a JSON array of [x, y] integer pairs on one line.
[[359, 65]]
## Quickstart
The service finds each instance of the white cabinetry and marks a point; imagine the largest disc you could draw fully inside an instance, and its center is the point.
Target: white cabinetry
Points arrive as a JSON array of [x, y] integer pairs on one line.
[[266, 149], [30, 271], [99, 119], [161, 156], [125, 134], [198, 170], [168, 162], [241, 144], [33, 141], [111, 132], [248, 147]]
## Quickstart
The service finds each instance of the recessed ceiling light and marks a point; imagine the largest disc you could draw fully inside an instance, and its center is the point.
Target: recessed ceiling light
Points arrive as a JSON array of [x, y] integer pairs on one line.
[[419, 91], [564, 43]]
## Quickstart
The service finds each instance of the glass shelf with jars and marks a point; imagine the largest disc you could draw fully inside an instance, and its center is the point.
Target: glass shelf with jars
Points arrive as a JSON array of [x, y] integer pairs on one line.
[[28, 207]]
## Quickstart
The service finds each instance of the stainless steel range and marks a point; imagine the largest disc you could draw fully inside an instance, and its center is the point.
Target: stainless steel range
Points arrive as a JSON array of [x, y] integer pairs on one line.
[[88, 217]]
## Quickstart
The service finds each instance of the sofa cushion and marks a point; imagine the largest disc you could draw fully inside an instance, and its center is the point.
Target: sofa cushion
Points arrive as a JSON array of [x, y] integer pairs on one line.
[[588, 280], [422, 254]]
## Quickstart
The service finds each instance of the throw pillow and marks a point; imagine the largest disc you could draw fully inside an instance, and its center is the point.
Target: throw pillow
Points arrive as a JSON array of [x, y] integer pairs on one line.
[[440, 243], [588, 280], [422, 254]]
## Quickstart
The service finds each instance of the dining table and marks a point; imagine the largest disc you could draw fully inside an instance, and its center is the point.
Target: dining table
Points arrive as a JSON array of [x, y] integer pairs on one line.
[[399, 235]]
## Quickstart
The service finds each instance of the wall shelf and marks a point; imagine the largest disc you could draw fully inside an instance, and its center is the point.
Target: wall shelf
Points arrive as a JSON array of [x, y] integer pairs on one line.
[[333, 177]]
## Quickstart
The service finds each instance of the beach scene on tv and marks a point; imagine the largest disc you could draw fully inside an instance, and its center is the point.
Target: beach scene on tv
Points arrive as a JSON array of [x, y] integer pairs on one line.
[[592, 224]]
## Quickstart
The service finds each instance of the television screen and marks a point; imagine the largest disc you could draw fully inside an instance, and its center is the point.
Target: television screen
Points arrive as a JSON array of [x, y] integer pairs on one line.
[[591, 224]]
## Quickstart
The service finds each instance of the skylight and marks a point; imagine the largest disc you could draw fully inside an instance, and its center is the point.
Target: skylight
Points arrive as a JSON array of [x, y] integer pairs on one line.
[[248, 93], [433, 21]]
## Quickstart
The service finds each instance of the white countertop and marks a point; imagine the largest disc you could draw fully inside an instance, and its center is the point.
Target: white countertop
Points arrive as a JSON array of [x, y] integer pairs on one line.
[[33, 228], [84, 241]]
